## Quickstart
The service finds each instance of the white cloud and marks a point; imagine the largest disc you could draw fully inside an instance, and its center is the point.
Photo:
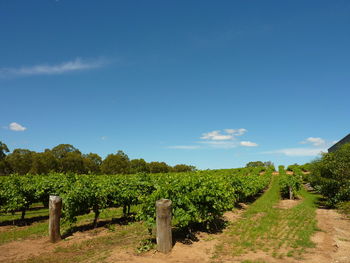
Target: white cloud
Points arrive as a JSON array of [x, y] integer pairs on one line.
[[248, 144], [315, 141], [45, 69], [227, 134], [103, 138], [184, 147], [14, 126], [220, 144], [298, 151], [223, 139], [216, 136], [236, 132]]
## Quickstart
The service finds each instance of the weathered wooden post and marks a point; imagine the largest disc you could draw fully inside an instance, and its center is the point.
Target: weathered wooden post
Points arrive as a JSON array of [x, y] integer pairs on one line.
[[164, 236], [55, 207], [290, 193]]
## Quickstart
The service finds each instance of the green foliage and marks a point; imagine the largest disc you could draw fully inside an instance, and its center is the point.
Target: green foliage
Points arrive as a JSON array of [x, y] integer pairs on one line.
[[17, 193], [159, 167], [20, 161], [331, 175], [183, 168], [3, 150], [116, 164], [65, 158], [259, 164], [199, 196], [288, 182], [138, 166]]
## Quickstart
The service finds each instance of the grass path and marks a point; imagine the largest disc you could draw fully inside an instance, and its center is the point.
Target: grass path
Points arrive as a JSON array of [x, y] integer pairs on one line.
[[40, 227], [275, 231]]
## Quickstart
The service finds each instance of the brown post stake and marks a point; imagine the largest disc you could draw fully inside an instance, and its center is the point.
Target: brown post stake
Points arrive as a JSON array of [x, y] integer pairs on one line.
[[164, 236], [55, 207], [290, 193]]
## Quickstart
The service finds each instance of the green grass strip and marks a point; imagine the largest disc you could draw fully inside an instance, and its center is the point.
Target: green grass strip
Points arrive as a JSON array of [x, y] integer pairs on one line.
[[279, 232]]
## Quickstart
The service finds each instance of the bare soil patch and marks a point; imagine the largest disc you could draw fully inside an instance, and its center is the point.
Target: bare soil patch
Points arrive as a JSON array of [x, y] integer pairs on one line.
[[197, 252], [287, 203], [332, 245], [23, 249]]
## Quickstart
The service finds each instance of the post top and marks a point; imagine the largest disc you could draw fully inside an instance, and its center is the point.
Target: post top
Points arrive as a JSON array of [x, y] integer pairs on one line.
[[163, 202], [55, 198]]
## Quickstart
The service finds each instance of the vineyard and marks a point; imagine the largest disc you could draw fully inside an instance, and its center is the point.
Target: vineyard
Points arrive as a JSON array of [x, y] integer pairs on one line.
[[198, 197], [125, 206]]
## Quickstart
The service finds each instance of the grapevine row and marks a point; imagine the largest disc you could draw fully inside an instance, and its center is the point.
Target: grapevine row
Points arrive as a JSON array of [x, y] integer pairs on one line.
[[199, 196]]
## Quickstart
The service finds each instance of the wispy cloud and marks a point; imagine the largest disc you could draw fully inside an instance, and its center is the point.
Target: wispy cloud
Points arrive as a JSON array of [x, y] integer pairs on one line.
[[297, 151], [248, 144], [315, 141], [184, 147], [14, 126], [220, 144], [216, 136], [45, 69], [220, 139]]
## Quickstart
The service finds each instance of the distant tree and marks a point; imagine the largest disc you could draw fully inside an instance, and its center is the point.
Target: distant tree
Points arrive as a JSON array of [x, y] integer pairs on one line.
[[4, 166], [61, 150], [116, 164], [255, 164], [268, 164], [20, 161], [72, 162], [139, 166], [183, 168], [259, 164], [92, 163], [43, 163], [159, 167], [3, 150]]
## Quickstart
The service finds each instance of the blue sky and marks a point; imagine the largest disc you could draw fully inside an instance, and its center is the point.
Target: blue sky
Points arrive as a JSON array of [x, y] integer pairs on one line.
[[215, 84]]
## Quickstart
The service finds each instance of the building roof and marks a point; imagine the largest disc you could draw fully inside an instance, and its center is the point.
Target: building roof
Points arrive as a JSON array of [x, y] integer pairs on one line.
[[346, 139]]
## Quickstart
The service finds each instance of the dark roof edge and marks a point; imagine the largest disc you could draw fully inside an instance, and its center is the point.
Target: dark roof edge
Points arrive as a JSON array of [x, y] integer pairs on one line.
[[338, 144]]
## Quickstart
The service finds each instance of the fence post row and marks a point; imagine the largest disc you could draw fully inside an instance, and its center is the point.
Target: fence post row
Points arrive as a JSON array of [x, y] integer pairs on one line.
[[163, 220], [55, 208], [291, 193]]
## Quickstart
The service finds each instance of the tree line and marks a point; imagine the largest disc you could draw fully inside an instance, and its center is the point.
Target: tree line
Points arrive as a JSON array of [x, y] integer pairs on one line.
[[65, 158]]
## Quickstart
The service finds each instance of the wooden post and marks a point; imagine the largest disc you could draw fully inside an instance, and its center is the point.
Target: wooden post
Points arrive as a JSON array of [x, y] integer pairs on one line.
[[55, 207], [290, 193], [164, 236]]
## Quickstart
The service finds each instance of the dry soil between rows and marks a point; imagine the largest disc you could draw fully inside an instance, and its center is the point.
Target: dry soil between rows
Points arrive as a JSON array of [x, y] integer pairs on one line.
[[332, 245]]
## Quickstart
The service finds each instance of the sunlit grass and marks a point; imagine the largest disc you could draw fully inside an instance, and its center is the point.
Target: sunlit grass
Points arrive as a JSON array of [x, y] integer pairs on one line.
[[278, 232], [40, 228]]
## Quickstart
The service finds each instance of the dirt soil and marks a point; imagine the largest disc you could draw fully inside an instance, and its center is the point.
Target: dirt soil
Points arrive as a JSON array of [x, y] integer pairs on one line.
[[287, 203], [332, 245], [23, 249]]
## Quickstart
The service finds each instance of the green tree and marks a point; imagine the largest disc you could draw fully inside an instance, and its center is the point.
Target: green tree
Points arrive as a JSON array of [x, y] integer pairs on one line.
[[61, 150], [72, 162], [20, 161], [4, 166], [183, 168], [116, 164], [255, 164], [43, 163], [92, 163], [159, 167], [138, 166], [3, 150], [331, 174]]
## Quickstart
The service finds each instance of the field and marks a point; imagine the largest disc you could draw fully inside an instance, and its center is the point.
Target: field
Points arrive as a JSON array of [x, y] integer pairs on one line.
[[237, 215]]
